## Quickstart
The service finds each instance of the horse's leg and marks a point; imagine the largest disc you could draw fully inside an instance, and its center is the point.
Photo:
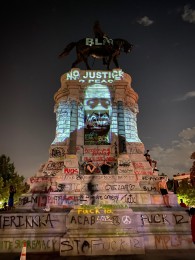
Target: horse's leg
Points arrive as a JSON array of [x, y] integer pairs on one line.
[[78, 60], [75, 63], [86, 62], [109, 61], [115, 62], [104, 61], [113, 57]]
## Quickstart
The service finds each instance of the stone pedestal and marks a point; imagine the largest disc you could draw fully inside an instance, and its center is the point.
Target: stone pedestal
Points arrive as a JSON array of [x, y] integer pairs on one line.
[[96, 113]]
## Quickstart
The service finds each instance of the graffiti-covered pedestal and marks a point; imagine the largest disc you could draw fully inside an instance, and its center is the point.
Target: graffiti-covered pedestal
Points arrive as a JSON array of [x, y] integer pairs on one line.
[[118, 212]]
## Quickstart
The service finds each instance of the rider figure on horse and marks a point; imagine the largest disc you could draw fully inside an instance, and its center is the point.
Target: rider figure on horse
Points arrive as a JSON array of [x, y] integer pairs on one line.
[[103, 36], [100, 34], [109, 50]]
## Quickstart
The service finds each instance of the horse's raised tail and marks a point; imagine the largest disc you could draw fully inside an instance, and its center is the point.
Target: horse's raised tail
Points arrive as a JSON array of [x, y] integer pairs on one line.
[[67, 50]]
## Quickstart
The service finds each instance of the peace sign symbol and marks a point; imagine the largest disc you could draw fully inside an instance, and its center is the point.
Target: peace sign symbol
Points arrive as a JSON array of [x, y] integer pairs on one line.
[[126, 220]]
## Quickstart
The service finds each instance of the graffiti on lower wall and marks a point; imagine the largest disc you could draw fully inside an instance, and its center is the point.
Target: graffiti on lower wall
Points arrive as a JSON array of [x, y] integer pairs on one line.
[[32, 227], [31, 221], [101, 246], [164, 219], [42, 244], [97, 220], [40, 200], [173, 242], [96, 216]]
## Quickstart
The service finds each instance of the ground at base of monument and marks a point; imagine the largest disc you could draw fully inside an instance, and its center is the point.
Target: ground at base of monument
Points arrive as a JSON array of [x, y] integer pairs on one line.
[[149, 255]]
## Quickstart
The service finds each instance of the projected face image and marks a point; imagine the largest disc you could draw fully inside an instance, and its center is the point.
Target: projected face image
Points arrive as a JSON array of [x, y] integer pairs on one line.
[[98, 121], [95, 102], [97, 105]]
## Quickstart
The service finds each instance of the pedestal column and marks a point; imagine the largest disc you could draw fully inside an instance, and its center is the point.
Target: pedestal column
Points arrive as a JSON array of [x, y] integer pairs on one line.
[[121, 127], [119, 100], [73, 127]]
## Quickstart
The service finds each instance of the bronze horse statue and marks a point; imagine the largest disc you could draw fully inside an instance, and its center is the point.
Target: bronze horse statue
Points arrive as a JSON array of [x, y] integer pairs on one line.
[[108, 50]]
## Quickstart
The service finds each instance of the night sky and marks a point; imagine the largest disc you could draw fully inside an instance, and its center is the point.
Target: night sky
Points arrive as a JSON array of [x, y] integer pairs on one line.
[[161, 64]]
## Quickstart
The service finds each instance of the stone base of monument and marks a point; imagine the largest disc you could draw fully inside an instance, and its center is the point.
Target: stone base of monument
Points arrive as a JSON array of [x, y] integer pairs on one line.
[[128, 217], [89, 230]]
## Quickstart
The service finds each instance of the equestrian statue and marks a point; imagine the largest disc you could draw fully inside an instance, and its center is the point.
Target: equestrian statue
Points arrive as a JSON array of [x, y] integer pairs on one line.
[[100, 47]]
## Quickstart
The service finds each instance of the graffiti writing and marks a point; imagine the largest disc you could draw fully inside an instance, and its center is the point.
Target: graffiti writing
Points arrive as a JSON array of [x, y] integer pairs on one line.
[[150, 178], [149, 188], [154, 219], [138, 165], [163, 219], [125, 170], [40, 179], [124, 162], [54, 166], [33, 244], [129, 198], [40, 200], [115, 220], [61, 187], [180, 219], [57, 152], [27, 221], [94, 210], [124, 187], [99, 158], [91, 219], [97, 151], [63, 177], [143, 172], [92, 246], [71, 171], [174, 241], [83, 220]]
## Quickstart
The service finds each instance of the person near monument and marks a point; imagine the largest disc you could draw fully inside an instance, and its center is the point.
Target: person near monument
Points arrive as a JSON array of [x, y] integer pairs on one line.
[[147, 155], [105, 167], [192, 216], [90, 167], [148, 158], [151, 162], [162, 185], [182, 204], [12, 191], [91, 189], [5, 206], [192, 174]]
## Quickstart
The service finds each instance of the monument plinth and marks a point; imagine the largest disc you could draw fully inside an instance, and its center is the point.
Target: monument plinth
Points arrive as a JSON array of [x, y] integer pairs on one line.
[[118, 212], [96, 119]]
